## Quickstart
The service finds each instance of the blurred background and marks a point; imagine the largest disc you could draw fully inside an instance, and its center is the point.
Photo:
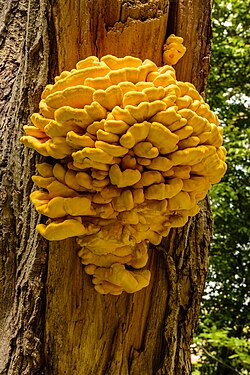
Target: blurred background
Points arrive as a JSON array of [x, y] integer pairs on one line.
[[221, 345]]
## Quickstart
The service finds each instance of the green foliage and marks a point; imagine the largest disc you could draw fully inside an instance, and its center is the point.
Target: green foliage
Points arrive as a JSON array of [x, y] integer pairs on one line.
[[212, 342], [225, 310]]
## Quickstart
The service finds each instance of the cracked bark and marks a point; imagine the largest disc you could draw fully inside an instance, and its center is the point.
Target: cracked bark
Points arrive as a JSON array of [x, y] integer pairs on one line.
[[23, 72], [74, 330]]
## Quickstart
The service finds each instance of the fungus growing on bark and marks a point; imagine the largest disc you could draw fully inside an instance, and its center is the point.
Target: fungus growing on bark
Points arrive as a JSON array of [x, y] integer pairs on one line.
[[136, 150], [173, 50]]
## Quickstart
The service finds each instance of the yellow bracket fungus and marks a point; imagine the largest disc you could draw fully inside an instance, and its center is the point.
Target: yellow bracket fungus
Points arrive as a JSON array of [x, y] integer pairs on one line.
[[136, 150], [173, 50]]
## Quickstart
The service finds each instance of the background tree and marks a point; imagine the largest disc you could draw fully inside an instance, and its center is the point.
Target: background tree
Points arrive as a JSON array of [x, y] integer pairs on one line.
[[52, 320], [224, 327]]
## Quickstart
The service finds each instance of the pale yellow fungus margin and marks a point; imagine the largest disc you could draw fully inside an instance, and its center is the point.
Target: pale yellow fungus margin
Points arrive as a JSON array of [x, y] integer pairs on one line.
[[136, 151]]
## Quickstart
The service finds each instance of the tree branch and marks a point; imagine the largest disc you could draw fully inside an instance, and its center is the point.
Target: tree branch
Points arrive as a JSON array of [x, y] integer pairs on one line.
[[221, 362]]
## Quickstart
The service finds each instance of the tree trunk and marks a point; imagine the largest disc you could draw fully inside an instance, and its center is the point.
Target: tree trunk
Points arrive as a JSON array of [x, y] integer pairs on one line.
[[52, 320]]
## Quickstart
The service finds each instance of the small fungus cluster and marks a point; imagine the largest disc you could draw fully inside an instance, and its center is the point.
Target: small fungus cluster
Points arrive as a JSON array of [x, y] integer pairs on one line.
[[136, 150]]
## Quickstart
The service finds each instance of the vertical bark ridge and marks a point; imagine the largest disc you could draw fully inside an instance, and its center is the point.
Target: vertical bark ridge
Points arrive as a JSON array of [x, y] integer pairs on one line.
[[187, 259], [191, 19], [23, 70]]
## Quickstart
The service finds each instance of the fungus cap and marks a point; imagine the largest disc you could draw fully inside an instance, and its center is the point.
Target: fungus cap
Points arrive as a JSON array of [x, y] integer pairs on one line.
[[136, 150]]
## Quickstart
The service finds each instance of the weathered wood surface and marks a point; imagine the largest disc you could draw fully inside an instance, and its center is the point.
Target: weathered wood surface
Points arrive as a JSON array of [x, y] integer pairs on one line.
[[24, 55], [82, 332], [191, 20]]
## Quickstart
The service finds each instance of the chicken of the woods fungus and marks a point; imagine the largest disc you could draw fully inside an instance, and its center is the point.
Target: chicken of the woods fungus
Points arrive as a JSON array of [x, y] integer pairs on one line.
[[135, 151]]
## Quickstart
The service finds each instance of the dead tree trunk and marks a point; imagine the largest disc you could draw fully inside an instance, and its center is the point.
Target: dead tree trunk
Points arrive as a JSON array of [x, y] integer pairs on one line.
[[52, 320]]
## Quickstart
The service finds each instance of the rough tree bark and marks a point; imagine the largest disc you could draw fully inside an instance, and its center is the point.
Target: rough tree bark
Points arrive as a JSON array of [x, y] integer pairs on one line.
[[52, 320]]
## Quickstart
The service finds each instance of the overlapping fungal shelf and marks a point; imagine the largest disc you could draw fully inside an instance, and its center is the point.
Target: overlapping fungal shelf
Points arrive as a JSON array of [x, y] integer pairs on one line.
[[135, 151]]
